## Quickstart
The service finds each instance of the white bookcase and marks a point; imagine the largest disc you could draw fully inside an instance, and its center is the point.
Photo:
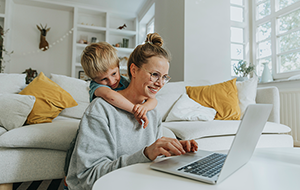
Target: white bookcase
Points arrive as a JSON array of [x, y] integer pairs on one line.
[[103, 26], [88, 22]]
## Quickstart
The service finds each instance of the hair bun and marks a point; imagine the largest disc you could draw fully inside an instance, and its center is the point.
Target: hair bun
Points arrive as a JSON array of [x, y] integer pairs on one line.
[[154, 38]]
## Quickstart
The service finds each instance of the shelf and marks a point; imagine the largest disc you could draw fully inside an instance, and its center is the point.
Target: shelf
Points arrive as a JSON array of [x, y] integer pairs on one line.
[[124, 50], [126, 33], [78, 64], [92, 23], [81, 45], [88, 28]]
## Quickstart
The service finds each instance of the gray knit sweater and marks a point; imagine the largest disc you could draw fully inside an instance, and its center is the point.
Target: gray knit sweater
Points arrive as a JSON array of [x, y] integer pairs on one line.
[[108, 138]]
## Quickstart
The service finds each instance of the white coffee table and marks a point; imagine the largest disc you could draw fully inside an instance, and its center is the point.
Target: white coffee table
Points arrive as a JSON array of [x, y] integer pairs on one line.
[[268, 169]]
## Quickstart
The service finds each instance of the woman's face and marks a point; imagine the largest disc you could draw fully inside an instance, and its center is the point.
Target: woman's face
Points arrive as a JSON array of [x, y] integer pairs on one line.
[[147, 85]]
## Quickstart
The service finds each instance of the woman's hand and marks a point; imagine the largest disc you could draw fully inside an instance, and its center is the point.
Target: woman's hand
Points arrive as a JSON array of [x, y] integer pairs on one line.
[[164, 146], [139, 112], [189, 145]]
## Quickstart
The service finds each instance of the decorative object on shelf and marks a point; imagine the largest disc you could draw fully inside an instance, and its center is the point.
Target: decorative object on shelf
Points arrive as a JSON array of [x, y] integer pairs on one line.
[[51, 44], [43, 42], [30, 75], [242, 70], [83, 39], [125, 42], [93, 40], [122, 27], [3, 51], [266, 74], [83, 76]]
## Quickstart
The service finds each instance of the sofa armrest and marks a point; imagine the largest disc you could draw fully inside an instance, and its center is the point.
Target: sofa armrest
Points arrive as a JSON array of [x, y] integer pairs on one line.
[[270, 95]]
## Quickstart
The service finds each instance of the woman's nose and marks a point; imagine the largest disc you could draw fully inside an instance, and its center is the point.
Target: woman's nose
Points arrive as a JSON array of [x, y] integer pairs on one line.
[[159, 82]]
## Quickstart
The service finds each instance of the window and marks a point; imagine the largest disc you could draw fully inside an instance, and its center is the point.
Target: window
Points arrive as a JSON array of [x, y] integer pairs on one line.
[[277, 36], [239, 32], [150, 26]]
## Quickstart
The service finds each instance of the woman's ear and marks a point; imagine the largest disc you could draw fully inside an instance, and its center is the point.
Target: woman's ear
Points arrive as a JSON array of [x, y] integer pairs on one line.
[[133, 69]]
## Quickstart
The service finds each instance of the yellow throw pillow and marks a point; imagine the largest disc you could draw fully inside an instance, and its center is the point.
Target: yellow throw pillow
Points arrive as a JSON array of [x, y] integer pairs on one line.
[[223, 97], [51, 99]]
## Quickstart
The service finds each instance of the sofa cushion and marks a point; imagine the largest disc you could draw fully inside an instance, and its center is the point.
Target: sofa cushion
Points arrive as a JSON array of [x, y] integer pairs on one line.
[[51, 99], [186, 109], [196, 129], [2, 130], [11, 83], [170, 93], [246, 93], [223, 97], [56, 135], [79, 90], [14, 109]]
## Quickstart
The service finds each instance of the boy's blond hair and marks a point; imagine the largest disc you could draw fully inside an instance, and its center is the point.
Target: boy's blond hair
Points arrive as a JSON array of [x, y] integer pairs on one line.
[[98, 58]]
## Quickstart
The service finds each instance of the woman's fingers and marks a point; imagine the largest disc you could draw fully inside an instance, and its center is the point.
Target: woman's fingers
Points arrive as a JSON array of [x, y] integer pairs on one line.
[[189, 145], [164, 146]]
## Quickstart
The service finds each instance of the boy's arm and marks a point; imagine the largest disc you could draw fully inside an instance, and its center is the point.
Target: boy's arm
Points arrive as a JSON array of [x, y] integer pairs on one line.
[[151, 103], [114, 98]]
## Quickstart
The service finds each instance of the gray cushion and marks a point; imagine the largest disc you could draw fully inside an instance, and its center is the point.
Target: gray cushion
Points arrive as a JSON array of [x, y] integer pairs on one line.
[[14, 109], [56, 135], [2, 130], [11, 83]]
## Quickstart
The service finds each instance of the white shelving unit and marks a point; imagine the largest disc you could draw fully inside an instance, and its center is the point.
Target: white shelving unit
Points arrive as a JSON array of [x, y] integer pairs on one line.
[[89, 22]]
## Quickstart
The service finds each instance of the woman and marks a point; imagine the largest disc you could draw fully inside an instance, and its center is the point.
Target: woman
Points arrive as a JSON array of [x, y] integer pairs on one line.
[[110, 138]]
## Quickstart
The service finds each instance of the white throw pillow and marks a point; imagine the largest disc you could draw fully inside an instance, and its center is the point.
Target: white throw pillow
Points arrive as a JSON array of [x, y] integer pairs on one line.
[[12, 83], [79, 90], [247, 93], [186, 109], [14, 109]]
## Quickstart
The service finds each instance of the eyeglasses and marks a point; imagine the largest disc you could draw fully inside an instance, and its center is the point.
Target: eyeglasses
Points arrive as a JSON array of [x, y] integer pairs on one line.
[[154, 77]]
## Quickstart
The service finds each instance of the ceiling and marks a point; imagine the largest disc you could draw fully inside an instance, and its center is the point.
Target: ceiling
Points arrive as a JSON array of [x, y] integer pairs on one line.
[[128, 6]]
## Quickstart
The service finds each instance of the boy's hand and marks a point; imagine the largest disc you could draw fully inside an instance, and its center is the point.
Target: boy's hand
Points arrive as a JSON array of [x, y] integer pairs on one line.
[[139, 112]]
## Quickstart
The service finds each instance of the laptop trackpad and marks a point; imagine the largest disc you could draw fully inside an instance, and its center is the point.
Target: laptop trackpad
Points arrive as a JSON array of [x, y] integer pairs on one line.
[[176, 162]]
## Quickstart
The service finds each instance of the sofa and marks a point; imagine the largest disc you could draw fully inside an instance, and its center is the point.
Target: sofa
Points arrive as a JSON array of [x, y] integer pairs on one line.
[[38, 121]]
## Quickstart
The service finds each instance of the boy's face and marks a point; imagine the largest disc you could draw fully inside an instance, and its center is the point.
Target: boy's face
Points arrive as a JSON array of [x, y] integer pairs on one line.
[[111, 78]]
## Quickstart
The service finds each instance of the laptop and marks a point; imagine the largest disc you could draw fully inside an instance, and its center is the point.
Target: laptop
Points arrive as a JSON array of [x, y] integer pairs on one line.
[[212, 167]]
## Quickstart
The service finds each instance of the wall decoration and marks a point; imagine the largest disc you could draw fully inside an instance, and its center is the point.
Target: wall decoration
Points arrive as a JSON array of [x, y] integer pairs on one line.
[[60, 39], [43, 42], [122, 27]]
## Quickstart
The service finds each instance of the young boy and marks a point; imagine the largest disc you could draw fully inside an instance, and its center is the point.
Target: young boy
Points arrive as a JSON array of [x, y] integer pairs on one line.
[[101, 63]]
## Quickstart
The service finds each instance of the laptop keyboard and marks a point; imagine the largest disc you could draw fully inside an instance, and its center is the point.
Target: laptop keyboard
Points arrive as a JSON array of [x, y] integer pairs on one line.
[[207, 167]]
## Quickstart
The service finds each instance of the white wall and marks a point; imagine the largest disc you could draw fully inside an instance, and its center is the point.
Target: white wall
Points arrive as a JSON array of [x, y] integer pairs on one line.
[[197, 33], [26, 37], [207, 40], [169, 23]]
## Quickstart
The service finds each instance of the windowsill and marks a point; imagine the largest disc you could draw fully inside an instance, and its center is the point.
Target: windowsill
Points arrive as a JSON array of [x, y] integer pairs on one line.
[[279, 81]]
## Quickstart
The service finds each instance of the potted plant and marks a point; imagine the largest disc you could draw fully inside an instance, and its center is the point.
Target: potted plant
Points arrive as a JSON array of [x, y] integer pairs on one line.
[[242, 70], [3, 51]]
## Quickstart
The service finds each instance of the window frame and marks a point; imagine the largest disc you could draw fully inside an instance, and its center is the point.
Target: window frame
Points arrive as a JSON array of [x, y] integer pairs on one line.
[[245, 25], [275, 52]]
